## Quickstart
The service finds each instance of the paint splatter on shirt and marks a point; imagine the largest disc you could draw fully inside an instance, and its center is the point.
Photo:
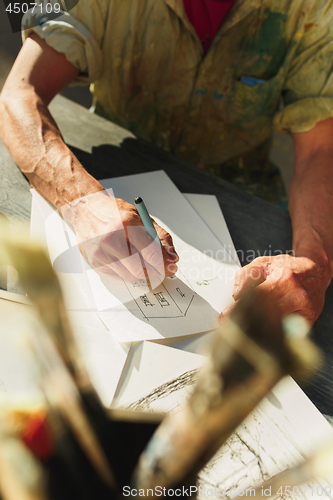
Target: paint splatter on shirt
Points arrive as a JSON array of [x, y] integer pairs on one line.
[[149, 73]]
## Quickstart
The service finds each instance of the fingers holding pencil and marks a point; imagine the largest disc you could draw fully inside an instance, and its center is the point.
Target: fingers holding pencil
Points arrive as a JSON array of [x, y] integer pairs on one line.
[[164, 261], [112, 238]]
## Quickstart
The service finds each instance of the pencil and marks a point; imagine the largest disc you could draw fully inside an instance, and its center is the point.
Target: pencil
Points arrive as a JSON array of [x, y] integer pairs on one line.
[[149, 227], [146, 219]]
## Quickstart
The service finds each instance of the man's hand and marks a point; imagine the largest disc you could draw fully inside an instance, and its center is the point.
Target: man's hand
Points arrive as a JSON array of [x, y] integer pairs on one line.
[[295, 284], [112, 238], [299, 283]]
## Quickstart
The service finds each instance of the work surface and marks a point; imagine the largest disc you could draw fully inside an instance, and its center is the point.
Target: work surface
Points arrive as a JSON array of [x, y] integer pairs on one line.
[[106, 150]]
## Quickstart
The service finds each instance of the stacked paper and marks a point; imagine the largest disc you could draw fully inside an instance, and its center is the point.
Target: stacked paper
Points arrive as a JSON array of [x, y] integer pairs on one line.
[[126, 366]]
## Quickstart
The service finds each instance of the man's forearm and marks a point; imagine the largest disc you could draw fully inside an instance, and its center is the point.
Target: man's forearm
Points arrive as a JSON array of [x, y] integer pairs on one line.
[[298, 284], [311, 210], [35, 143]]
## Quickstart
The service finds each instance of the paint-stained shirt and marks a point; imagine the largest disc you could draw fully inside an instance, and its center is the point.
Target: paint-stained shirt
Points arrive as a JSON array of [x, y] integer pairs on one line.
[[149, 73]]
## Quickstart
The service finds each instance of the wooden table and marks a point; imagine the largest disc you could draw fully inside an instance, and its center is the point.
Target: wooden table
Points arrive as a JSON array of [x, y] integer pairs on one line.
[[106, 150]]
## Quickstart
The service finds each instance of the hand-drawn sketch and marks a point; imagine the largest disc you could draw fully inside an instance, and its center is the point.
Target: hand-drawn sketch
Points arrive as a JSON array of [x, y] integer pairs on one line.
[[180, 306], [205, 282], [172, 299], [146, 300], [269, 441], [258, 450], [170, 395], [140, 282], [154, 372], [161, 299]]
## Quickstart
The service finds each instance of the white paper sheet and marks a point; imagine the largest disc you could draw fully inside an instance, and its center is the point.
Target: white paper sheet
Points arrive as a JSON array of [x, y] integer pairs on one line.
[[16, 378], [186, 304], [149, 366], [283, 430], [208, 208], [103, 357], [280, 433], [77, 302]]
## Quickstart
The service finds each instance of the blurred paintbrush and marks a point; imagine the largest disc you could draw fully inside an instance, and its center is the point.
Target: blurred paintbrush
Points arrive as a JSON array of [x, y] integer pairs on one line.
[[38, 278], [248, 358]]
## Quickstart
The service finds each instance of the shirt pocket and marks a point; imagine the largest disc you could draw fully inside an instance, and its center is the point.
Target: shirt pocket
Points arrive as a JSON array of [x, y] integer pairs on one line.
[[249, 104]]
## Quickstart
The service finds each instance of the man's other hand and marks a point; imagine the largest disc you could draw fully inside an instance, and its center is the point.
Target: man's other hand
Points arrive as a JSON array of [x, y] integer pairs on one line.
[[296, 284]]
